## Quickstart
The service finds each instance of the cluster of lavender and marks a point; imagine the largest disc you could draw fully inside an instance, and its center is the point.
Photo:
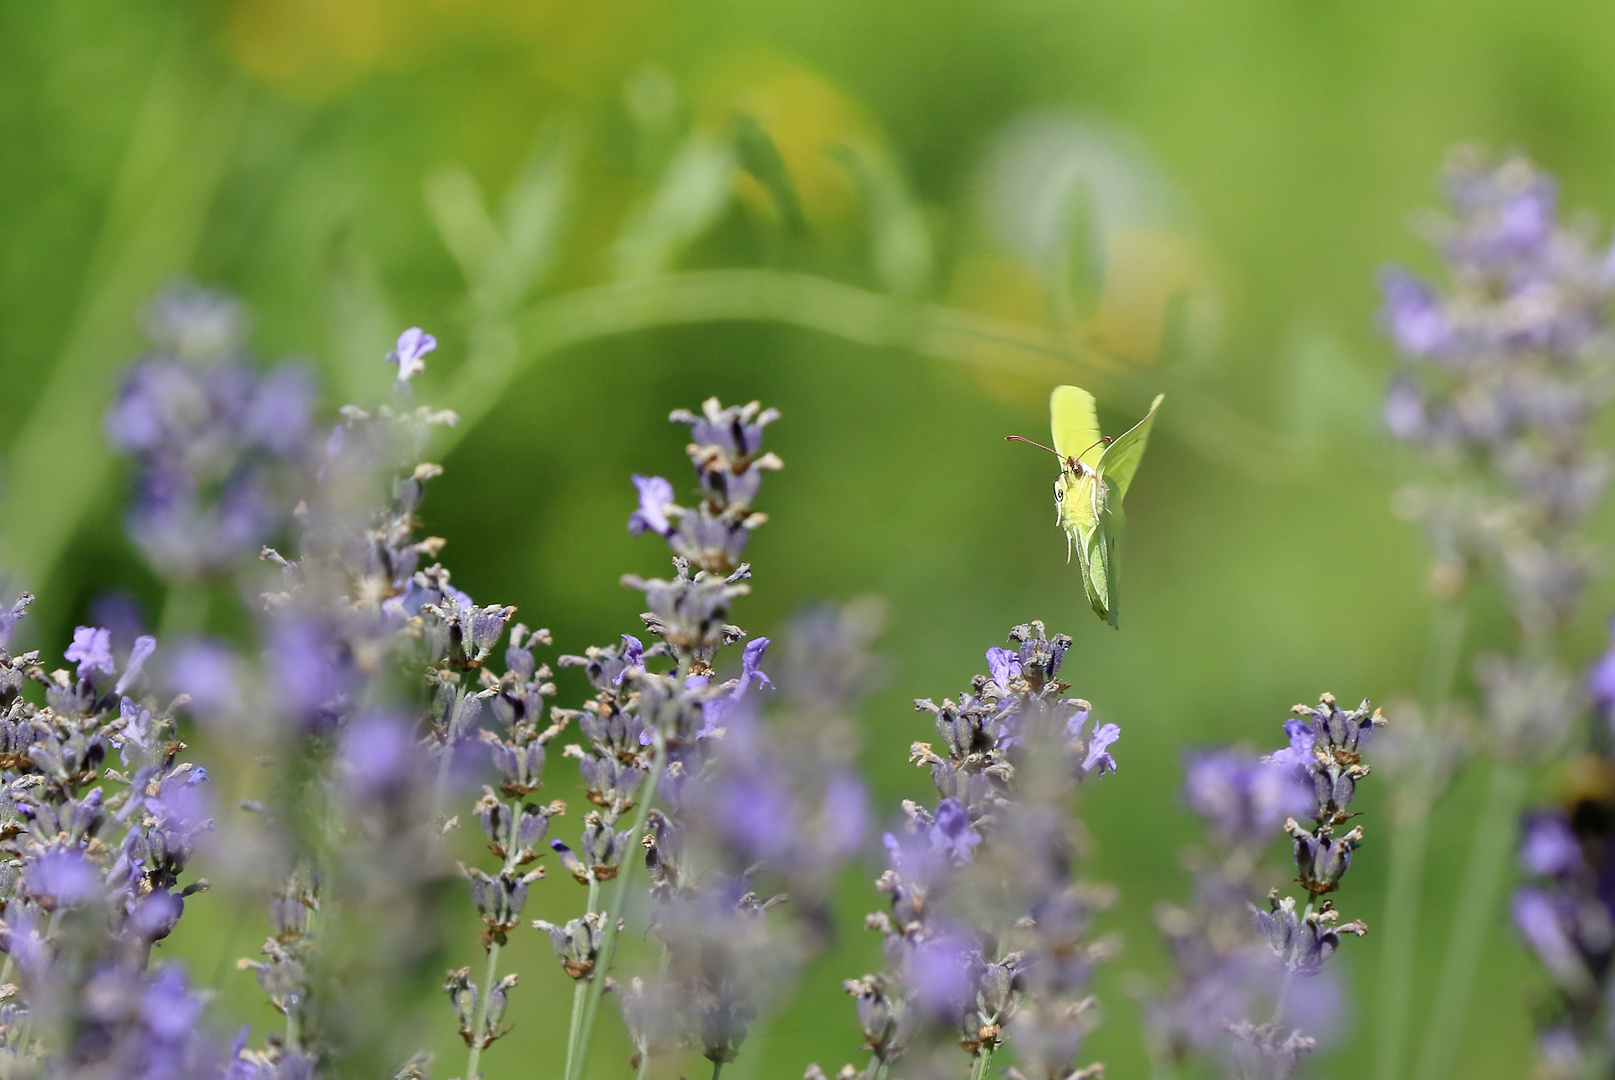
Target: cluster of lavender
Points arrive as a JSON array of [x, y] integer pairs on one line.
[[1565, 908], [367, 698], [376, 697], [988, 938], [218, 445], [98, 821], [376, 701], [1235, 961], [1507, 376]]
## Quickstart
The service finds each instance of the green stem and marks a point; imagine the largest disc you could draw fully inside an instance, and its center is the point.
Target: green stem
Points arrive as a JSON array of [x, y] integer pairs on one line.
[[479, 1020], [478, 1036], [984, 1060], [819, 304], [1471, 925], [619, 896], [581, 986], [717, 1069], [1408, 843]]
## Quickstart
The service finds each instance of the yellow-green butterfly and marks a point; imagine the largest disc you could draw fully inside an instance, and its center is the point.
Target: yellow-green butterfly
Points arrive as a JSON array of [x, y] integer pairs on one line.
[[1095, 472]]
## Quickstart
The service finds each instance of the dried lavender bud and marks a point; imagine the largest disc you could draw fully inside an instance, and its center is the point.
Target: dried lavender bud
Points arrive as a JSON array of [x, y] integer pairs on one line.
[[576, 944], [463, 1000], [499, 900]]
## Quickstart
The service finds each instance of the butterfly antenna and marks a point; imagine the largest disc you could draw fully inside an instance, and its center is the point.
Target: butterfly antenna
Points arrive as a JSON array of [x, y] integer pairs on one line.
[[1104, 440], [1024, 439]]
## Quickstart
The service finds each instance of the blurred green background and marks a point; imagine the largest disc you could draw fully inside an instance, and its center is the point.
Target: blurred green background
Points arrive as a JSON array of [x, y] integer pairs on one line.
[[969, 203]]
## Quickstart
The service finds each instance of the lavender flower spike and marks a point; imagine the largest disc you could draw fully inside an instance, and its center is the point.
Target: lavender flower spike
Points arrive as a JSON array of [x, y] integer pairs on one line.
[[413, 344]]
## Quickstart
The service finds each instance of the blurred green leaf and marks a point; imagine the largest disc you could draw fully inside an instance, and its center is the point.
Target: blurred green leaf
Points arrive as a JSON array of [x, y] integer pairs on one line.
[[1077, 277], [468, 230], [537, 204], [759, 156], [361, 322], [690, 196], [901, 247]]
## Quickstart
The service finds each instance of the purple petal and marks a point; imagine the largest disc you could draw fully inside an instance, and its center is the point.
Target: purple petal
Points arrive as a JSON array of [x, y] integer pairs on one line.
[[655, 496]]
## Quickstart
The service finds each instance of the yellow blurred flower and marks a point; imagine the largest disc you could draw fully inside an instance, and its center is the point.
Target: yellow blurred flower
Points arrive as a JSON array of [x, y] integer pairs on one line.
[[315, 48], [802, 111]]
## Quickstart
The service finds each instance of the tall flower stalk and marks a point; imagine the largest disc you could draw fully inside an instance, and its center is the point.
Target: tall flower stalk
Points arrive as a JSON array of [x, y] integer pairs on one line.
[[1254, 987], [1507, 374], [988, 940]]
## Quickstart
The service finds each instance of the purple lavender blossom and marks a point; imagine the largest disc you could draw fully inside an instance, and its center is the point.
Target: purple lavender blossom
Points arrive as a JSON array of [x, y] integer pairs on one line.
[[1002, 666], [378, 756], [1549, 924], [144, 646], [951, 832], [92, 651], [655, 497], [1243, 799], [205, 672], [1098, 755], [214, 442], [943, 970], [1413, 314], [631, 656], [1548, 848], [1601, 682], [61, 878], [751, 666], [406, 355], [310, 667]]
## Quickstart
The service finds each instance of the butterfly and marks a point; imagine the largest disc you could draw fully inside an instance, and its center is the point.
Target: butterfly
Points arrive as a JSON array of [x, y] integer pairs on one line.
[[1095, 473]]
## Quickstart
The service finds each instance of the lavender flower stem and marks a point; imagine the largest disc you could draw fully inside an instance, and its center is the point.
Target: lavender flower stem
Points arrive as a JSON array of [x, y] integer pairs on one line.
[[474, 1058], [479, 1022], [984, 1060], [1490, 844], [619, 896], [580, 987], [1408, 843]]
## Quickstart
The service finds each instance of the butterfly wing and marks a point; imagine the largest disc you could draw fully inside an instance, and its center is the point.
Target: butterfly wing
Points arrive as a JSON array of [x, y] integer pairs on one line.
[[1120, 459], [1075, 424], [1098, 559]]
